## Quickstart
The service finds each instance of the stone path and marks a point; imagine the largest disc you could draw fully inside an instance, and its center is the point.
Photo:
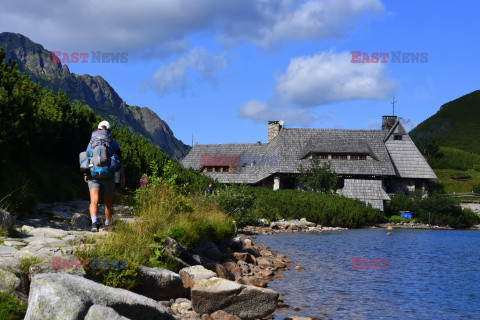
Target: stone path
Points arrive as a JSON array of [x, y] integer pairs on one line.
[[54, 229]]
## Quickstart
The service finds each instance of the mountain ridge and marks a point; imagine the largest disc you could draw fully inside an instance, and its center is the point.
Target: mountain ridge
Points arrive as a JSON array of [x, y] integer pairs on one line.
[[93, 91], [456, 124]]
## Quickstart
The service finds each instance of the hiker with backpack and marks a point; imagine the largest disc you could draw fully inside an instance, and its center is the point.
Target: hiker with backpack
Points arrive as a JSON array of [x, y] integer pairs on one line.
[[100, 163]]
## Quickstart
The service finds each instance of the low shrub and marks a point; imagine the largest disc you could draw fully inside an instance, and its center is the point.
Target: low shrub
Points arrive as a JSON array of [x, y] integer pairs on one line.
[[11, 308], [435, 209], [476, 189], [116, 276], [324, 209], [238, 202]]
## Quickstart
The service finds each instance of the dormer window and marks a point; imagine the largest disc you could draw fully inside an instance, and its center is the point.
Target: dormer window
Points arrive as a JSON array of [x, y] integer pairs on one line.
[[358, 157], [397, 137], [217, 169]]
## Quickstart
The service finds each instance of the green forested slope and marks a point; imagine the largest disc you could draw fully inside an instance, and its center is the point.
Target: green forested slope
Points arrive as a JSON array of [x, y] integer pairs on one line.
[[41, 135], [455, 125]]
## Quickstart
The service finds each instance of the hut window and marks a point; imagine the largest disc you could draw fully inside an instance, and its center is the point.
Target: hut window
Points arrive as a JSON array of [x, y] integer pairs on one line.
[[397, 137], [358, 157]]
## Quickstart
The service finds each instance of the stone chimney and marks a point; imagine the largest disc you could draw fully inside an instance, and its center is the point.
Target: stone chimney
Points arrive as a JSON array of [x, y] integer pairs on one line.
[[273, 129], [388, 122]]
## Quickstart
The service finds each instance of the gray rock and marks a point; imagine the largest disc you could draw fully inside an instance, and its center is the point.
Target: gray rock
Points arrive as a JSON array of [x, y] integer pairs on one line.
[[45, 232], [80, 221], [236, 244], [252, 250], [8, 281], [209, 250], [10, 261], [59, 213], [245, 302], [65, 296], [174, 247], [64, 264], [159, 284], [6, 219], [191, 275], [7, 251], [12, 279], [26, 255], [98, 312], [10, 243], [222, 315]]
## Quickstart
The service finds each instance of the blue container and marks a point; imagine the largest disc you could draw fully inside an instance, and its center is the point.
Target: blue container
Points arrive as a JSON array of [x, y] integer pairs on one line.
[[408, 215]]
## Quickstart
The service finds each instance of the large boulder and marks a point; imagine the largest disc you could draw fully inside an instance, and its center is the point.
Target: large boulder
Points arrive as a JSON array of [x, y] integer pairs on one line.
[[63, 264], [209, 250], [65, 296], [246, 302], [159, 284], [97, 312], [191, 275], [6, 219]]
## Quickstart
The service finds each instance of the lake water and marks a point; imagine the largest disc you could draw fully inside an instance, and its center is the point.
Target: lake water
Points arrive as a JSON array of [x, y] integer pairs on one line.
[[430, 274]]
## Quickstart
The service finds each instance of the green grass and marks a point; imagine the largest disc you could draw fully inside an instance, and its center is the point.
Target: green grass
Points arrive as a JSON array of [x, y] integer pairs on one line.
[[26, 263], [11, 308], [450, 185], [162, 211]]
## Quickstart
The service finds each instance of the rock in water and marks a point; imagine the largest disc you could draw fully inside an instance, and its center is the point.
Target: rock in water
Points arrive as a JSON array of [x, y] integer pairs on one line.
[[65, 296], [245, 302], [159, 284]]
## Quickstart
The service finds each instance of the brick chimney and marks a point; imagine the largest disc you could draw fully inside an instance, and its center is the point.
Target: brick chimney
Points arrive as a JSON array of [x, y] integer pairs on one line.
[[273, 129], [388, 122]]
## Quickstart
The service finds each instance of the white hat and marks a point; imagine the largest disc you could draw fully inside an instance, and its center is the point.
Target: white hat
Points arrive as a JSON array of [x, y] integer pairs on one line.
[[104, 124]]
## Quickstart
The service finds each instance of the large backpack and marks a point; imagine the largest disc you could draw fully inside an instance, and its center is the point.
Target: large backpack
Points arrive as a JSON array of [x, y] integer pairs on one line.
[[102, 159]]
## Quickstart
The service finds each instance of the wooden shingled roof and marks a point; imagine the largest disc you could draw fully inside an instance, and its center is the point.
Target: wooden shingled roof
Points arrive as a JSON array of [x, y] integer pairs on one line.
[[291, 146]]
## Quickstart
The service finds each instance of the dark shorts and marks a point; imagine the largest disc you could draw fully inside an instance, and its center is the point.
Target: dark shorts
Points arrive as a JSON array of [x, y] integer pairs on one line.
[[107, 184]]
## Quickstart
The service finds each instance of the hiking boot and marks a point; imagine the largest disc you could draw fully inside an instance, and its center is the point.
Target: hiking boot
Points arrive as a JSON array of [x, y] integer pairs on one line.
[[108, 228], [94, 227]]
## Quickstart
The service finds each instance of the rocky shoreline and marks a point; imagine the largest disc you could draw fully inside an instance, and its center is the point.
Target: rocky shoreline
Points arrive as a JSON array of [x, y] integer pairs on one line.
[[293, 226], [227, 281], [213, 281]]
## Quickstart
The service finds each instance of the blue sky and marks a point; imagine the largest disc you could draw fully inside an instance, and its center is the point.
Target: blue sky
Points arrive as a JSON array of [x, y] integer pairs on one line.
[[219, 69]]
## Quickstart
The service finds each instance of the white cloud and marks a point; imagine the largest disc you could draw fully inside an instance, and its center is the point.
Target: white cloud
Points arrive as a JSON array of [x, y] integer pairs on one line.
[[318, 80], [329, 77], [198, 64], [164, 26], [261, 112], [310, 20]]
